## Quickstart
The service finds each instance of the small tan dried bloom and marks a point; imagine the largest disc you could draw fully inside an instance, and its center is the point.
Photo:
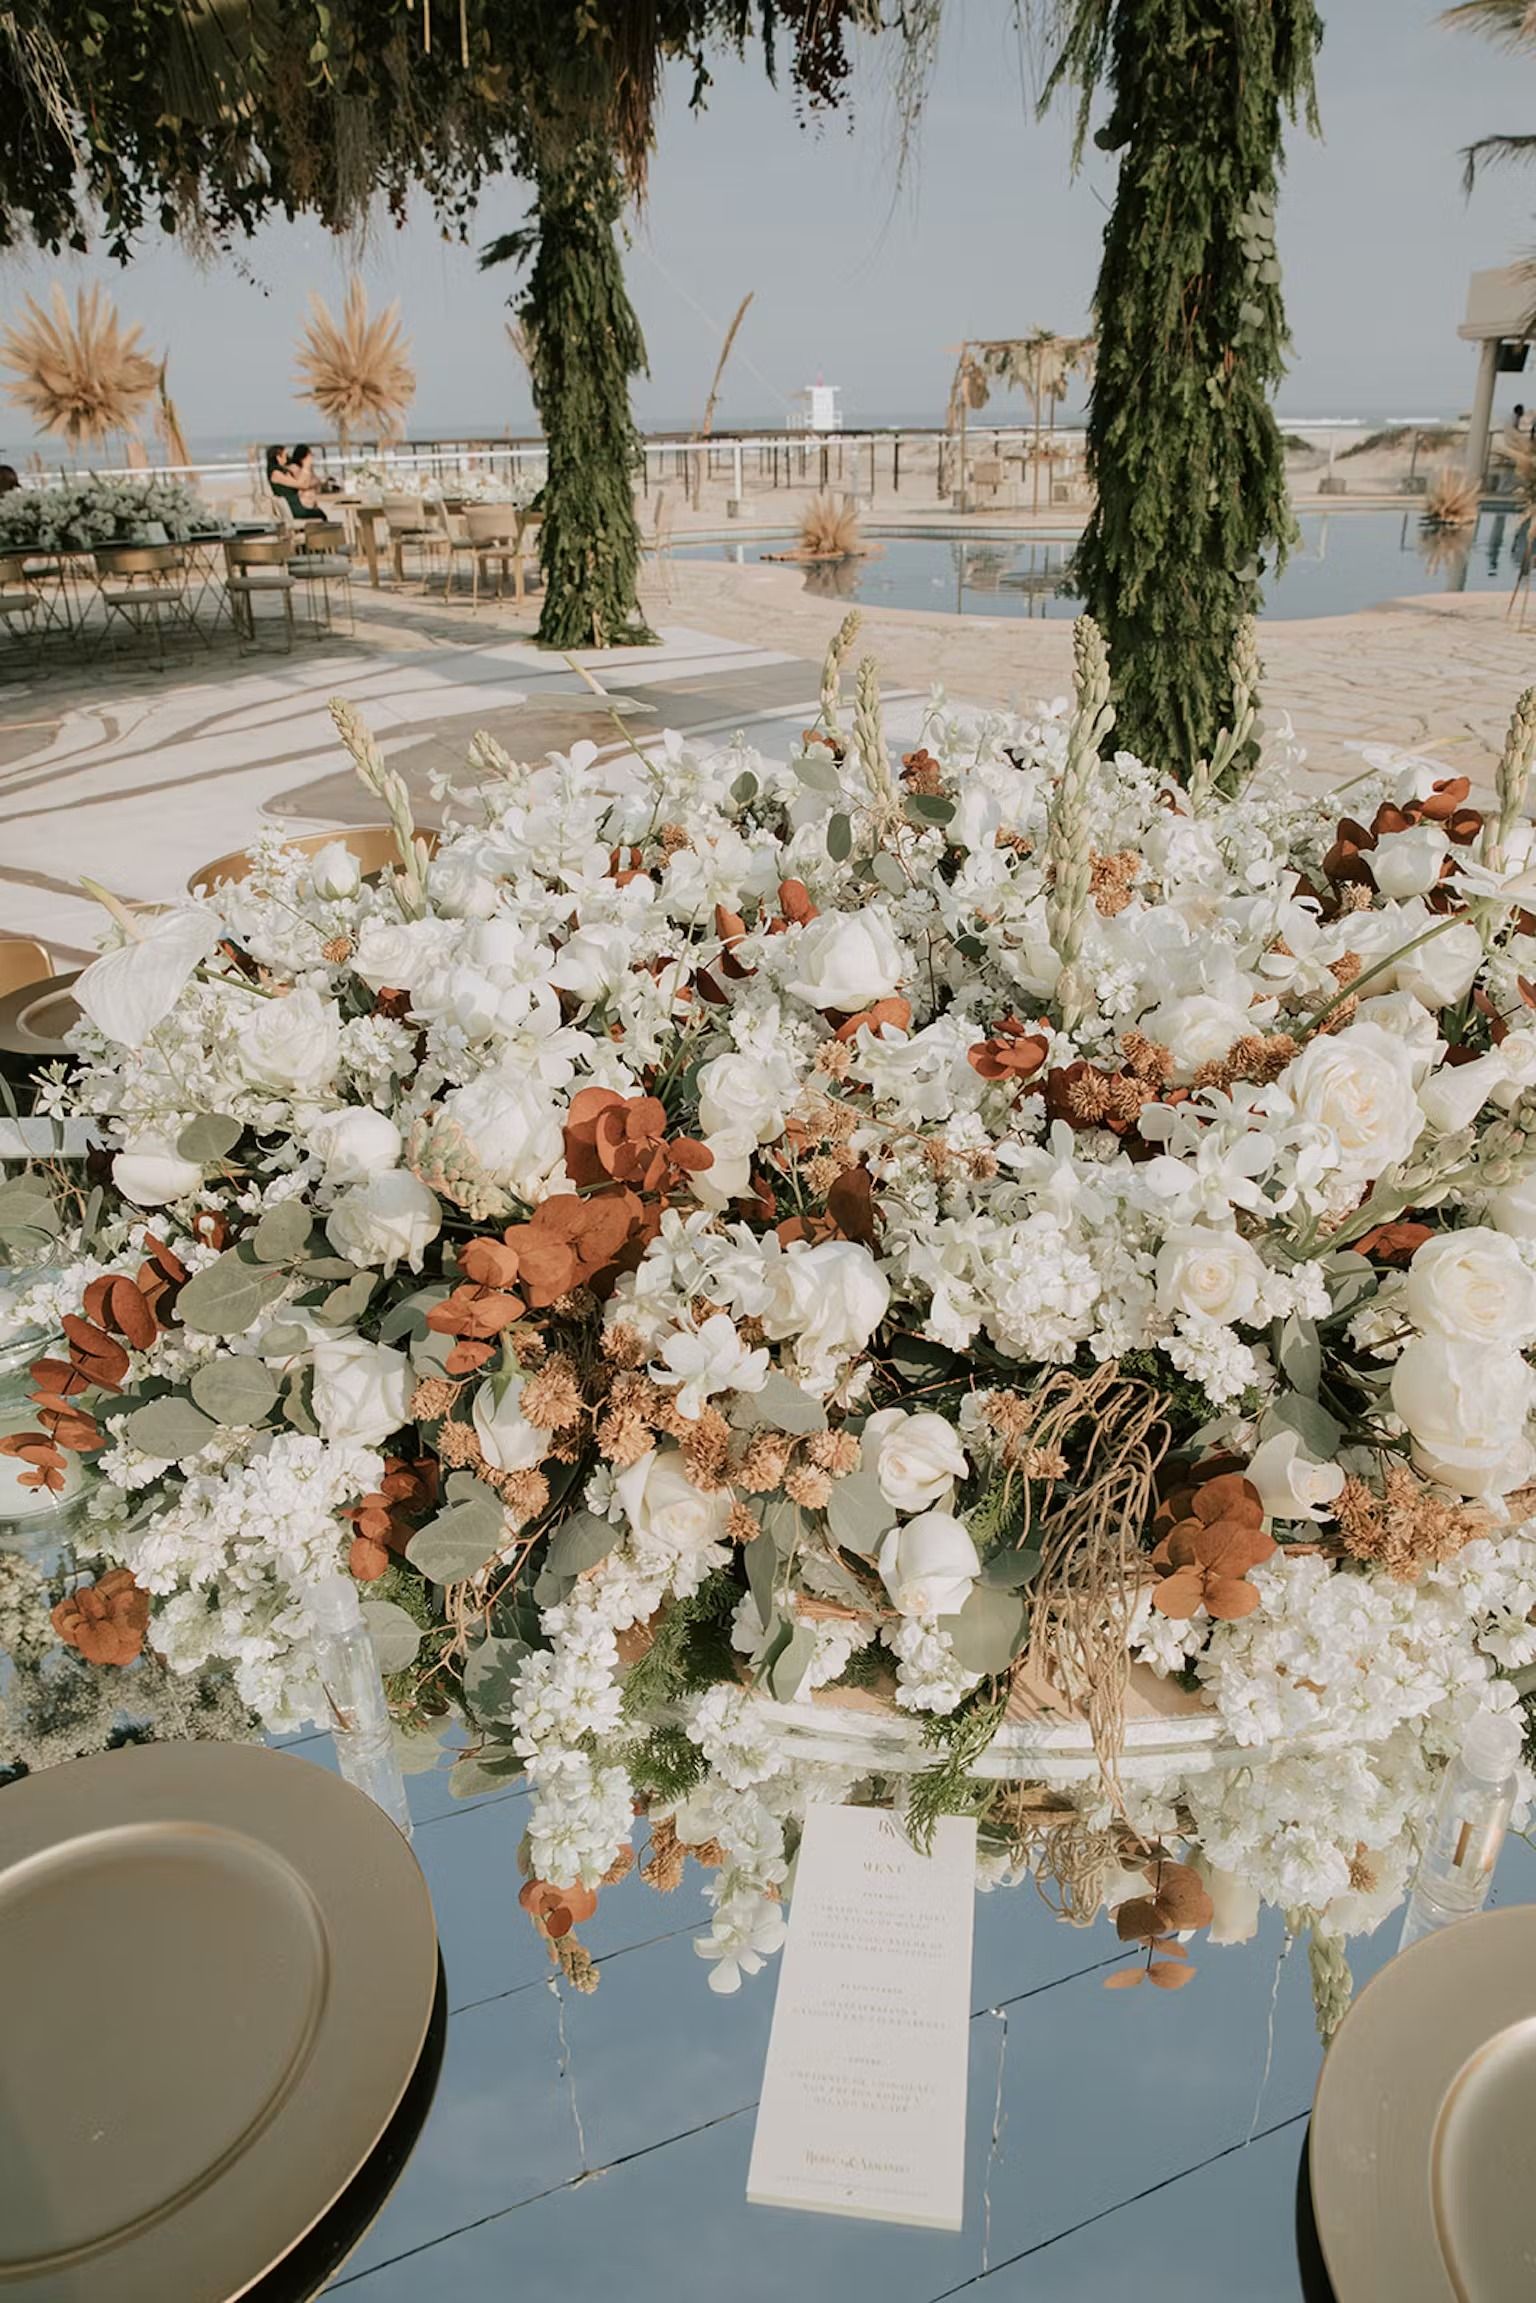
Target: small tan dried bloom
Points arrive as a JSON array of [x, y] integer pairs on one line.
[[433, 1397], [552, 1398], [1148, 1059], [623, 1346], [706, 1446], [1356, 898], [525, 1494], [938, 1159], [807, 1487], [458, 1446], [743, 1524], [576, 1963], [821, 1172], [1345, 968], [623, 1437], [1043, 1463], [620, 1868], [1362, 1872], [836, 1452], [1111, 879], [1406, 1529], [835, 1058], [337, 951], [763, 1466], [672, 838], [663, 1868]]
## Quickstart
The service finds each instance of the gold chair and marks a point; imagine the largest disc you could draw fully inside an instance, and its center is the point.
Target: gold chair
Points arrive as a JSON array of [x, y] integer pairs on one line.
[[320, 559], [407, 520], [19, 599], [497, 532], [140, 584], [23, 962], [372, 844], [257, 566]]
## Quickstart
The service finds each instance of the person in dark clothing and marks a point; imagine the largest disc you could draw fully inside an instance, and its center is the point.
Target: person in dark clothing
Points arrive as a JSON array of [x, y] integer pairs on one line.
[[292, 481], [9, 478]]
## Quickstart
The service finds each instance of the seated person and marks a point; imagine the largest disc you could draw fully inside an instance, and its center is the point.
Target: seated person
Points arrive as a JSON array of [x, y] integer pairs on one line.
[[293, 482], [9, 478]]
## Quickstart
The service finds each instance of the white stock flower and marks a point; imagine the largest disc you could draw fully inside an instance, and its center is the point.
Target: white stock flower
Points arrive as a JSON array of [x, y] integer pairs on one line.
[[1358, 1084], [355, 1143], [847, 961], [361, 1391], [388, 1219], [707, 1360], [128, 992], [928, 1565], [1209, 1274], [150, 1171], [1291, 1483], [507, 1439], [666, 1512], [1465, 1406], [291, 1044], [918, 1458], [1472, 1285], [594, 963]]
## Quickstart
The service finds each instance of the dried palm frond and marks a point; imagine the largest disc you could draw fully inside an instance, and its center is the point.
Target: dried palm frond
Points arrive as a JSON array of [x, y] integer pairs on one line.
[[521, 341], [168, 424], [1445, 552], [829, 529], [82, 375], [357, 371], [725, 352], [1452, 499]]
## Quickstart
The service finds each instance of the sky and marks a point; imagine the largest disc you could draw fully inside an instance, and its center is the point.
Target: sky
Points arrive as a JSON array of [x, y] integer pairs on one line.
[[868, 279]]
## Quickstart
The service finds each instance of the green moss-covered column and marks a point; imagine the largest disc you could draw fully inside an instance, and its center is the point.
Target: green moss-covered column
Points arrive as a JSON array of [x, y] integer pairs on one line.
[[585, 345], [1182, 442]]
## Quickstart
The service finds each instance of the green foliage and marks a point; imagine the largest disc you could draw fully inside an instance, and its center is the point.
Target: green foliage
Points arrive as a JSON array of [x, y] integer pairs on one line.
[[1182, 441], [692, 1648], [950, 1788], [666, 1764]]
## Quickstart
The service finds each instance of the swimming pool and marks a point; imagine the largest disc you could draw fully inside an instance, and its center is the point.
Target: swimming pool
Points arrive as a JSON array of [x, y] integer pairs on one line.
[[1345, 560]]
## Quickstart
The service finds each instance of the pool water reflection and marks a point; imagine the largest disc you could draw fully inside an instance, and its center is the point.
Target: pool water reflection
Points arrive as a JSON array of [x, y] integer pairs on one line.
[[1345, 560]]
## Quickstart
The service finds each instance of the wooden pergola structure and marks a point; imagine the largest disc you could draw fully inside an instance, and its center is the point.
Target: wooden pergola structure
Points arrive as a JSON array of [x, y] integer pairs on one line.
[[1041, 365]]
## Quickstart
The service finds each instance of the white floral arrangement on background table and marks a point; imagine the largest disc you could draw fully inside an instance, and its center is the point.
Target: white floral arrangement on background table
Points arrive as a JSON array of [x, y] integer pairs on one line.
[[75, 515], [965, 1238]]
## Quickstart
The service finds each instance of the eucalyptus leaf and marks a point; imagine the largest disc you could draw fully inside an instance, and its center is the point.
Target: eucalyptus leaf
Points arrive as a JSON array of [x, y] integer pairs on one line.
[[296, 1404], [818, 771], [169, 1428], [346, 1304], [914, 1356], [989, 1630], [490, 1679], [327, 1267], [580, 1542], [858, 1513], [409, 1318], [1319, 1432], [784, 1405], [235, 1390], [889, 873], [785, 1675], [1010, 1570], [460, 1540], [209, 1137], [496, 1768], [839, 839], [780, 1519], [929, 808], [1351, 1279], [284, 1339], [1300, 1355], [395, 1636], [283, 1232], [744, 790], [761, 1559], [228, 1297]]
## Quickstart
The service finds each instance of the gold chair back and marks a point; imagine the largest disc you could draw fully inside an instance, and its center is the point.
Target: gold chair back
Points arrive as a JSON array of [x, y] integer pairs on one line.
[[22, 962], [372, 844], [494, 523]]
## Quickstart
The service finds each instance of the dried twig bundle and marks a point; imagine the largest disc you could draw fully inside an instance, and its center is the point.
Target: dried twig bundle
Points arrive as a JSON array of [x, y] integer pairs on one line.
[[81, 374]]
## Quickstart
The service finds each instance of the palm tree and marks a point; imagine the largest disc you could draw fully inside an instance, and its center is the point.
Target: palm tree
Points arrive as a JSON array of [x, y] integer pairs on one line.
[[1509, 24]]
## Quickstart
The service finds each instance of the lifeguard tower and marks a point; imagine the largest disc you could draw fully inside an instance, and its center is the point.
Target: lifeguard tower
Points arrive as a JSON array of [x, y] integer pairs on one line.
[[815, 409]]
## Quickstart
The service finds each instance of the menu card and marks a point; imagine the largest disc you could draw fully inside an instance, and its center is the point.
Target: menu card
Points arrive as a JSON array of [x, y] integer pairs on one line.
[[863, 2104]]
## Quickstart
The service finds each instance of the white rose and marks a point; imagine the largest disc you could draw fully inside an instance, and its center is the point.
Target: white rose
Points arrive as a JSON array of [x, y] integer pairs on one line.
[[729, 1174], [1291, 1483], [918, 1458], [1517, 1053], [293, 1044], [1452, 1097], [847, 960], [830, 1299], [392, 954], [928, 1565], [1513, 1210], [594, 962], [511, 1129], [362, 1391], [150, 1171], [666, 1512], [1443, 969], [1472, 1285], [1234, 1905], [389, 1219], [738, 1091], [355, 1143], [1358, 1084], [1408, 1020], [507, 1439], [461, 889], [335, 873], [1465, 1406], [1197, 1029], [1408, 863], [1209, 1274]]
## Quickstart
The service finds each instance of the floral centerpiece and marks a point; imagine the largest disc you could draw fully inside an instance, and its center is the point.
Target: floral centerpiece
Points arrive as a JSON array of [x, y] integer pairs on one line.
[[958, 1239], [73, 515]]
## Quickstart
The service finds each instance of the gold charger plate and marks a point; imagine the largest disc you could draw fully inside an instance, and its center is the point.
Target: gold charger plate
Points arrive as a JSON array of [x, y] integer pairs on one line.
[[34, 1019], [1423, 2142], [217, 1968]]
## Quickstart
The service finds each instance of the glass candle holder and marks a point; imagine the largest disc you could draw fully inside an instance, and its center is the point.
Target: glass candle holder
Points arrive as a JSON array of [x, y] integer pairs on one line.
[[38, 1520]]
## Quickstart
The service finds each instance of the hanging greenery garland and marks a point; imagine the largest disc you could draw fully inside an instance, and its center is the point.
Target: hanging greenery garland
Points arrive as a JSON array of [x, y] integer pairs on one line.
[[1182, 442]]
